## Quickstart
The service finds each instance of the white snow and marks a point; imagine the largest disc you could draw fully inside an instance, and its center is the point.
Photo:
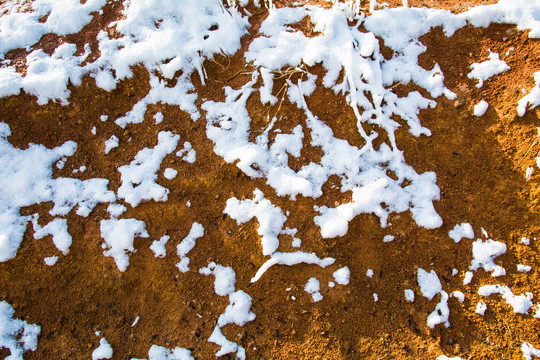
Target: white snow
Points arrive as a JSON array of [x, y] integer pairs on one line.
[[429, 283], [135, 321], [520, 304], [16, 335], [225, 278], [529, 172], [481, 308], [532, 99], [312, 287], [460, 231], [375, 297], [138, 178], [484, 254], [468, 277], [529, 351], [158, 246], [50, 260], [170, 173], [158, 117], [409, 295], [26, 178], [115, 210], [369, 273], [157, 352], [441, 313], [58, 229], [523, 268], [525, 241], [190, 153], [270, 218], [103, 351], [459, 295], [178, 45], [111, 143], [480, 108], [341, 276], [290, 259], [182, 249], [237, 312], [229, 122], [484, 70], [118, 235], [388, 238]]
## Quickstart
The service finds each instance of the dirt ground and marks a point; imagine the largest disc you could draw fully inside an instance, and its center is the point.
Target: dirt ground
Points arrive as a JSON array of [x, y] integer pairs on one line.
[[480, 165]]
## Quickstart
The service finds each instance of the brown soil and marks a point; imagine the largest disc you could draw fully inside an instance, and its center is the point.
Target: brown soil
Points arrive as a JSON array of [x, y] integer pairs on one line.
[[480, 165]]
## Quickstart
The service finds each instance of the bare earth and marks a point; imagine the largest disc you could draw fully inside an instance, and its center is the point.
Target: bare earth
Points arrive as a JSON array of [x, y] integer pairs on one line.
[[480, 165]]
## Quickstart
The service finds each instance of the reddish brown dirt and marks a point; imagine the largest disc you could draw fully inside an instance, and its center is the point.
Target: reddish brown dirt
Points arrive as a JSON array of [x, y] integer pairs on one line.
[[480, 165]]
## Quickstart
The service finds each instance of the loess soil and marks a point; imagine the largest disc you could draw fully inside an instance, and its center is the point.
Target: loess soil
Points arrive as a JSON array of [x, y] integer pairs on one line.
[[480, 165]]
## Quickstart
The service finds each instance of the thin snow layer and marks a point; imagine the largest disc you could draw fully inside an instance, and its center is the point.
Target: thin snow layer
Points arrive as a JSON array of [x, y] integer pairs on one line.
[[182, 249], [521, 303], [168, 38], [225, 278], [269, 216], [484, 70], [118, 235], [115, 210], [459, 295], [165, 36], [162, 353], [103, 351], [369, 273], [312, 287], [51, 260], [26, 179], [237, 312], [341, 276], [111, 143], [47, 76], [58, 229], [460, 231], [484, 254], [409, 295], [63, 17], [529, 351], [363, 171], [532, 99], [16, 335], [468, 277], [441, 313], [190, 153], [523, 268], [170, 173], [480, 108], [290, 259], [481, 308], [158, 246], [429, 283], [139, 177]]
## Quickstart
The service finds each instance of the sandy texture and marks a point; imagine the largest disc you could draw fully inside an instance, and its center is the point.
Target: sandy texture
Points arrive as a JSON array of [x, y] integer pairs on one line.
[[480, 165]]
